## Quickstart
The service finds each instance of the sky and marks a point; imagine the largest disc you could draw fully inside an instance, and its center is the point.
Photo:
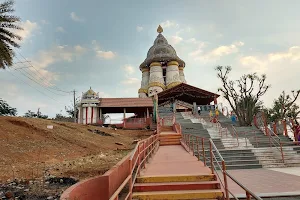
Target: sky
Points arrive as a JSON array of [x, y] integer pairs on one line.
[[74, 45]]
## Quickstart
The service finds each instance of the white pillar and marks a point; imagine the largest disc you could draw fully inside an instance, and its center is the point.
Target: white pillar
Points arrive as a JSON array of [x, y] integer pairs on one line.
[[124, 114], [156, 80], [84, 109], [181, 74], [144, 83], [147, 112], [172, 74], [79, 115]]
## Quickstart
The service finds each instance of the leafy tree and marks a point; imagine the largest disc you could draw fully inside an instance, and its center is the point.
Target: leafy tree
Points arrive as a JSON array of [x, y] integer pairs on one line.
[[284, 106], [6, 110], [243, 95], [31, 114], [8, 38]]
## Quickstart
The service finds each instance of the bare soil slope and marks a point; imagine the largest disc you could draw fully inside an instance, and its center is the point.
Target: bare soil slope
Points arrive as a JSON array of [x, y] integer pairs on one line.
[[28, 149]]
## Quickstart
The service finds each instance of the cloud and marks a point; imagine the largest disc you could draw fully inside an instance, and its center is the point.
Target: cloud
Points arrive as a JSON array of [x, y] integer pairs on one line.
[[293, 54], [139, 28], [28, 28], [75, 18], [44, 21], [105, 54], [131, 81], [169, 24], [175, 39], [262, 62], [54, 55], [60, 29], [101, 53], [128, 69], [217, 53]]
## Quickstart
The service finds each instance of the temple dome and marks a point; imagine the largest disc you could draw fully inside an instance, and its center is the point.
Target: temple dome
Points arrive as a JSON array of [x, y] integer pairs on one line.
[[90, 94], [161, 51]]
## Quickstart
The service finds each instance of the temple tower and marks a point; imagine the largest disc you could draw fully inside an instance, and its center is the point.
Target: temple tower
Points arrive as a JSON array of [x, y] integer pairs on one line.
[[88, 111], [162, 69]]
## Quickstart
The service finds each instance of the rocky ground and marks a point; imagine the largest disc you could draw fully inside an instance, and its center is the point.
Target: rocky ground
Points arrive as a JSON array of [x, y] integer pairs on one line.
[[39, 163]]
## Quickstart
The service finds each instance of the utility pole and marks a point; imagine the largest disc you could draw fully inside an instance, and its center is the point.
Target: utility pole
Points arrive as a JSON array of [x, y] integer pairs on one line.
[[38, 113], [74, 102]]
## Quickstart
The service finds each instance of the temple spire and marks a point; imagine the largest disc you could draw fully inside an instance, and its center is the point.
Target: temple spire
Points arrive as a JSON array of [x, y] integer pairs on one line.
[[160, 29]]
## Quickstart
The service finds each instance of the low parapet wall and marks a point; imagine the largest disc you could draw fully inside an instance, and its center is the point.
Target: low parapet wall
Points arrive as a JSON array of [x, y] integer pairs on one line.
[[100, 187]]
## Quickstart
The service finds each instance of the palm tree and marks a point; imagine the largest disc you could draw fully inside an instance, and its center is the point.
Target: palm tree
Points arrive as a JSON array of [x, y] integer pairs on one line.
[[8, 23]]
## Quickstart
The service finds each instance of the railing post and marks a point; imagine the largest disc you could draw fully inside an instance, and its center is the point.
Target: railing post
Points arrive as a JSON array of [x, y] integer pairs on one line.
[[248, 196], [203, 151], [225, 180], [282, 155], [265, 123], [197, 141], [284, 127], [193, 143], [189, 144], [130, 180], [211, 158], [144, 153]]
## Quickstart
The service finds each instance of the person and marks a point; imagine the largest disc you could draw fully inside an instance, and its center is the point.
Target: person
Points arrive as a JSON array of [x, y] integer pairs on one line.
[[217, 113], [233, 118], [199, 110]]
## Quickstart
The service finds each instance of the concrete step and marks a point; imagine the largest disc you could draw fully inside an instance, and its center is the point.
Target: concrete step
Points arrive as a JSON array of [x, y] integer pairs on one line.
[[204, 185], [249, 166], [181, 178], [181, 194]]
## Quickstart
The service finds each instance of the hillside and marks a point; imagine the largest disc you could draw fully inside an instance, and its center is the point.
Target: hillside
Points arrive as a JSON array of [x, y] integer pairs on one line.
[[29, 149]]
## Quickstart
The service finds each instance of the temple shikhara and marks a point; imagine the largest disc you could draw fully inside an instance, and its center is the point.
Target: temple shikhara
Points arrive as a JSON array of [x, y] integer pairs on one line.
[[162, 77]]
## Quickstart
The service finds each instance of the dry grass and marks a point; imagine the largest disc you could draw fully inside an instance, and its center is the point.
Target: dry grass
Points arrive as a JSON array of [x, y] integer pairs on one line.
[[28, 148]]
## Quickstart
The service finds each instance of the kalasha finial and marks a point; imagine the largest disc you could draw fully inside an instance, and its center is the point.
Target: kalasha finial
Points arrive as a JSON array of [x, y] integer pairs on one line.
[[160, 29]]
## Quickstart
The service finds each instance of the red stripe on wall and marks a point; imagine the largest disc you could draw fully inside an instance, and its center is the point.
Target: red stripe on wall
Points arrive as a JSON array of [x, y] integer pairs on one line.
[[86, 111], [92, 114]]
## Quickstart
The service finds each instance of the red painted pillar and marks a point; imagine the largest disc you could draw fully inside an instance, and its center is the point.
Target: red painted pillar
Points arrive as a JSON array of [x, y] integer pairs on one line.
[[92, 114], [86, 115], [265, 123], [284, 127]]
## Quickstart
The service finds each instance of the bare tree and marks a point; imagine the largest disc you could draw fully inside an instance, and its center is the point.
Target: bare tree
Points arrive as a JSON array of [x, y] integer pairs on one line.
[[244, 94]]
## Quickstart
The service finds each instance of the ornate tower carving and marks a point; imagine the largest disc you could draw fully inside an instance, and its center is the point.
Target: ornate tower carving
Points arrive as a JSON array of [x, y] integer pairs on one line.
[[164, 68]]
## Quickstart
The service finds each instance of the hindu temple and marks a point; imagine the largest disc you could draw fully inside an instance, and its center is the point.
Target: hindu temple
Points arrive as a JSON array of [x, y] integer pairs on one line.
[[162, 75]]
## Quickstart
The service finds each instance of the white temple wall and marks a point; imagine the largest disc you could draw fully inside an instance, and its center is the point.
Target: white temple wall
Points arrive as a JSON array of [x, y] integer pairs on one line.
[[181, 74], [144, 83], [156, 80], [172, 74]]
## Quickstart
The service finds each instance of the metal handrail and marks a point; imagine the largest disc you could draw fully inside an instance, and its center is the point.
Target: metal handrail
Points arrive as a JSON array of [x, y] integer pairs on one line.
[[136, 162], [213, 148]]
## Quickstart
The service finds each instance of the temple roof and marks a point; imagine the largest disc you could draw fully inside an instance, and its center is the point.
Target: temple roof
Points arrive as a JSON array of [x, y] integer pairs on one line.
[[187, 93], [125, 102], [161, 51]]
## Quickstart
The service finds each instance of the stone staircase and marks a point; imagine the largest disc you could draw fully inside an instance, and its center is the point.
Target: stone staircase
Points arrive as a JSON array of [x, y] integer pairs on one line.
[[173, 173], [168, 136], [234, 156], [177, 187]]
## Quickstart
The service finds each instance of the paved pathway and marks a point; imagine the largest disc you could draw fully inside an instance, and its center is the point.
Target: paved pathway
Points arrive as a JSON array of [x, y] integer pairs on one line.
[[265, 182], [174, 160], [289, 170]]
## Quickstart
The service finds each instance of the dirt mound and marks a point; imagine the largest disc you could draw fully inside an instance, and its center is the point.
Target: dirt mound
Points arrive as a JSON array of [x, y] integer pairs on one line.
[[29, 148]]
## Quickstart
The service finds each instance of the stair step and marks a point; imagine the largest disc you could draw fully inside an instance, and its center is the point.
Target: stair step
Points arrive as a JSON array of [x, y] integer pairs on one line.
[[168, 186], [182, 194], [164, 143], [179, 178]]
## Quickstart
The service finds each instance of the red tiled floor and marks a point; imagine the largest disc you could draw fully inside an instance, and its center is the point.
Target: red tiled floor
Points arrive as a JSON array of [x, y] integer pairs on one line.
[[263, 181], [174, 160]]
